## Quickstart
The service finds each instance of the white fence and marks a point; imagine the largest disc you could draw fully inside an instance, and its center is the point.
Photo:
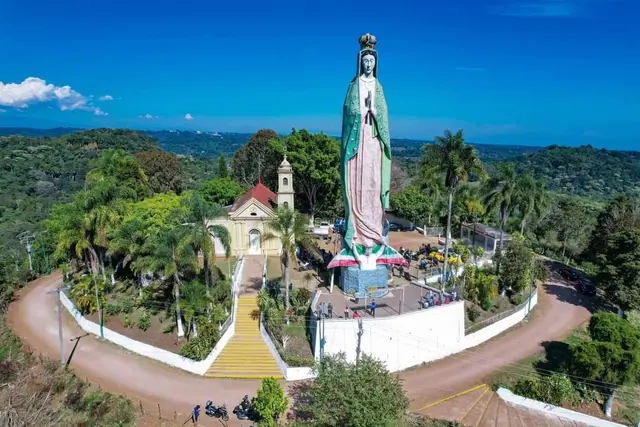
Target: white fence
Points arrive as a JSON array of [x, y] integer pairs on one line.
[[173, 359], [412, 338]]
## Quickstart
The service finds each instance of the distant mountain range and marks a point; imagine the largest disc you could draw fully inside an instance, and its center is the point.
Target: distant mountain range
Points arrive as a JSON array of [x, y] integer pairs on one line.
[[582, 171], [211, 144]]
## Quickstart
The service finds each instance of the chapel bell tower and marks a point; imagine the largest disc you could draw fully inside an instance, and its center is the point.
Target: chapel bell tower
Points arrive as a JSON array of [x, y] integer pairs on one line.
[[285, 184]]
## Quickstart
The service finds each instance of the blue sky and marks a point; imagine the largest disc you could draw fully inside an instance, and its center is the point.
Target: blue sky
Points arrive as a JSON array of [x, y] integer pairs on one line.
[[535, 72]]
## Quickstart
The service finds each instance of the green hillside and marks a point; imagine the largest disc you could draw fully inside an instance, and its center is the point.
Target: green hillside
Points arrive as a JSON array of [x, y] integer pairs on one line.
[[585, 171]]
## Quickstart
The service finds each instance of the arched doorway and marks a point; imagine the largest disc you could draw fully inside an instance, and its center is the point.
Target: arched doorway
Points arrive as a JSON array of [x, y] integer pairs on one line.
[[254, 242]]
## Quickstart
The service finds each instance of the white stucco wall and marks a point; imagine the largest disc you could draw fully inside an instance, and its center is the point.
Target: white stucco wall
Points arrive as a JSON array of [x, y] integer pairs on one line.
[[412, 338], [143, 349]]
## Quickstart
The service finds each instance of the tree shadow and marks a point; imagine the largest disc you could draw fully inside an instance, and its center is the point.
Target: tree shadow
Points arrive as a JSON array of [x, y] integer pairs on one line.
[[301, 401], [557, 357], [572, 295]]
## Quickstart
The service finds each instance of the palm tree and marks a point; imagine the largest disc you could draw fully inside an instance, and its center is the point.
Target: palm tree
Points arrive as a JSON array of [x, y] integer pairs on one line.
[[130, 239], [532, 197], [194, 302], [201, 235], [167, 256], [502, 195], [451, 157], [288, 227]]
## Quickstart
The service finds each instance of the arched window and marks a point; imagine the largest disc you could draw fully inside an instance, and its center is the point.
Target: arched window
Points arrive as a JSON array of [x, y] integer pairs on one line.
[[285, 182], [286, 204]]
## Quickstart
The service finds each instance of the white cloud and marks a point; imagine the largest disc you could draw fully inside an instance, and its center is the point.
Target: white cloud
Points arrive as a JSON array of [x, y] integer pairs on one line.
[[106, 98], [34, 90], [188, 116], [148, 116]]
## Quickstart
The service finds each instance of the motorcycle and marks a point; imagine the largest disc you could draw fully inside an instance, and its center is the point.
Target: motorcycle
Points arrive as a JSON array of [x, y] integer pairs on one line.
[[244, 411], [217, 412]]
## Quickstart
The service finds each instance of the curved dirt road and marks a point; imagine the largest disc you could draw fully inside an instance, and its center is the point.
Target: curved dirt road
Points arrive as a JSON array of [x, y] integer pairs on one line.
[[33, 317]]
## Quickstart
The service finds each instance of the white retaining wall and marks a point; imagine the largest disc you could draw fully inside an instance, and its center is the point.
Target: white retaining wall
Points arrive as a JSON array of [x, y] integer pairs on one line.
[[170, 358], [557, 411], [412, 338]]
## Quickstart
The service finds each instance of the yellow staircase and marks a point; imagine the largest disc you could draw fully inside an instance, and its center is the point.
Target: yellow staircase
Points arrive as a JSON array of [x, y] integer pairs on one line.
[[246, 355]]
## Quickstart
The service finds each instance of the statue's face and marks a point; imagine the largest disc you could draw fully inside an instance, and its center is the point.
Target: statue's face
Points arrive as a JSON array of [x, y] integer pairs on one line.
[[368, 64]]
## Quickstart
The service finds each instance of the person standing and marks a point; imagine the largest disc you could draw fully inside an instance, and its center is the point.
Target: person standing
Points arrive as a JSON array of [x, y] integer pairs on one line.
[[196, 414], [373, 308]]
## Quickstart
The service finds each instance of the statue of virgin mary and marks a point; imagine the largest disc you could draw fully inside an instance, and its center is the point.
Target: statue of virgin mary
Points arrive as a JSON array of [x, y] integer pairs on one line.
[[365, 166]]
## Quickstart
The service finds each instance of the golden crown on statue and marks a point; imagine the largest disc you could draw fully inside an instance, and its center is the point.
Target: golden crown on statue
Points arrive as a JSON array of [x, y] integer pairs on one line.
[[367, 41]]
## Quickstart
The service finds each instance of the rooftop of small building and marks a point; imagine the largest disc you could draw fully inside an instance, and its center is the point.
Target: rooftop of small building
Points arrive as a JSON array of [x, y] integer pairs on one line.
[[261, 193], [486, 230]]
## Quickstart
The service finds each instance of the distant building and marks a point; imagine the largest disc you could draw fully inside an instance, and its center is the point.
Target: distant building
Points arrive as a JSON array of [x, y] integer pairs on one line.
[[246, 219]]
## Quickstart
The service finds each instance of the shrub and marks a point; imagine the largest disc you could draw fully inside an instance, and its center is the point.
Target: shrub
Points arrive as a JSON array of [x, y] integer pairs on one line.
[[126, 307], [516, 299], [541, 271], [556, 389], [169, 328], [486, 304], [126, 322], [113, 309], [270, 402], [198, 348], [144, 320], [473, 313], [298, 361]]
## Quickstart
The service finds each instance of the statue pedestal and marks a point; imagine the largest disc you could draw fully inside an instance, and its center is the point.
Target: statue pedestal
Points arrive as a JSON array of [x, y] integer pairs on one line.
[[365, 283]]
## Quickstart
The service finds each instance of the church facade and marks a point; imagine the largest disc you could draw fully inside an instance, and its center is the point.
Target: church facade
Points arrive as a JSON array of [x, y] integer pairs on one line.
[[247, 218]]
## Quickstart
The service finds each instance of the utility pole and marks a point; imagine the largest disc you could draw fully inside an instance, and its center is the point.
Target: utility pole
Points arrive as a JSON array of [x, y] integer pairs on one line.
[[360, 333], [57, 292], [26, 239]]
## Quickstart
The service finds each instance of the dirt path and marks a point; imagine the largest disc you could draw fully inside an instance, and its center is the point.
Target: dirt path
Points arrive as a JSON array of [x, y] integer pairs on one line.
[[560, 309], [33, 317]]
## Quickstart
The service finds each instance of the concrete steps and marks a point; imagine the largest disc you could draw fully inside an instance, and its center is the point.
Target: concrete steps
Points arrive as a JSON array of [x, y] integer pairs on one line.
[[246, 355]]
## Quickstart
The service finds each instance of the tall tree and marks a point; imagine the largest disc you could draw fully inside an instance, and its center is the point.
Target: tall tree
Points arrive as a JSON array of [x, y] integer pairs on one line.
[[571, 219], [611, 358], [412, 204], [502, 194], [201, 234], [223, 172], [451, 157], [620, 268], [356, 395], [168, 254], [221, 191], [314, 159], [532, 197], [258, 158], [163, 170], [289, 228], [399, 178]]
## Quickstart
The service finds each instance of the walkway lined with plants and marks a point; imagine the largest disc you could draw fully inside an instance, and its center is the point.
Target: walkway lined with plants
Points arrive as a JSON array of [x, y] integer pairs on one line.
[[246, 355]]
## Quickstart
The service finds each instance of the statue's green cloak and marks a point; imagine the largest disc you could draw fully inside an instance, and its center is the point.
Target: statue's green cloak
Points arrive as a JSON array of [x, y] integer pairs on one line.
[[351, 140]]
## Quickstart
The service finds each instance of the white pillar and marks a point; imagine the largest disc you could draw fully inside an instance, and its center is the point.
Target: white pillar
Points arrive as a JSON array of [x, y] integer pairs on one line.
[[331, 281]]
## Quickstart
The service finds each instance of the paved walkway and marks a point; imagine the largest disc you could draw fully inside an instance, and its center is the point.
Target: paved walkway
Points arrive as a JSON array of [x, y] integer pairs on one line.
[[33, 317]]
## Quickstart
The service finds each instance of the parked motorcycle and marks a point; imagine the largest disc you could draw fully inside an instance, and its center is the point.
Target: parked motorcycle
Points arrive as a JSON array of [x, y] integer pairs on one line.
[[244, 411], [217, 412]]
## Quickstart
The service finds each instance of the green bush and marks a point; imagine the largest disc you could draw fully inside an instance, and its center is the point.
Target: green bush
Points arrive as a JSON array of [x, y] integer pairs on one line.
[[487, 304], [144, 320], [126, 322], [198, 348], [516, 299], [113, 309], [473, 313], [298, 361], [126, 307], [556, 389]]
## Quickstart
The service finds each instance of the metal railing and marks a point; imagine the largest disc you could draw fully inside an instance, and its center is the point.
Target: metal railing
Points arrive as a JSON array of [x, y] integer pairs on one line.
[[486, 322]]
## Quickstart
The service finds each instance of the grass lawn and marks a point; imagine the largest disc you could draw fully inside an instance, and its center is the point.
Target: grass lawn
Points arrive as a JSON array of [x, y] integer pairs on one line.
[[626, 407], [300, 279]]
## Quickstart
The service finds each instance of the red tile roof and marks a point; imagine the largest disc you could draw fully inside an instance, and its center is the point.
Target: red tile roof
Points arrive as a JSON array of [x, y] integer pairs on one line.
[[261, 193]]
